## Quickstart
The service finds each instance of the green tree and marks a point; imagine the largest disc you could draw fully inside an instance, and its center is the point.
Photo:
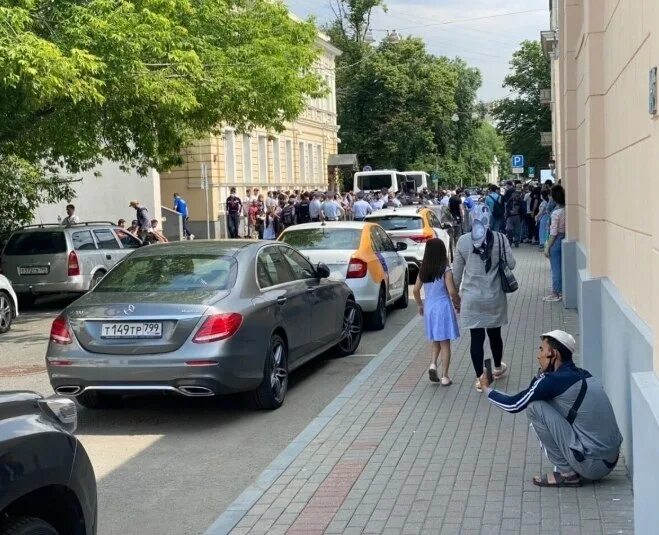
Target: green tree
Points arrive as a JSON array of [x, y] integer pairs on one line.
[[135, 81], [522, 117]]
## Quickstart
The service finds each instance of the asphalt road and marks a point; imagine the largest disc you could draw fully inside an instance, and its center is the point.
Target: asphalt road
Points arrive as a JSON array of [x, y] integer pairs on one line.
[[172, 465]]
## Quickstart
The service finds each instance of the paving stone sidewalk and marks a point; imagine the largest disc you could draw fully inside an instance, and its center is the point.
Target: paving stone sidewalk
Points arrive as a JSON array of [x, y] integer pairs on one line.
[[398, 454]]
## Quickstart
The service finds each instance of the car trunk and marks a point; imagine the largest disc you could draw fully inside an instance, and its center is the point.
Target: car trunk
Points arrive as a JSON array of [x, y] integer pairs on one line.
[[36, 257], [336, 260], [138, 323]]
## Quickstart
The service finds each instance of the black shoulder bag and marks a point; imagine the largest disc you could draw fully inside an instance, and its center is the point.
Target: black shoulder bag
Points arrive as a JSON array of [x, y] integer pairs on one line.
[[509, 283]]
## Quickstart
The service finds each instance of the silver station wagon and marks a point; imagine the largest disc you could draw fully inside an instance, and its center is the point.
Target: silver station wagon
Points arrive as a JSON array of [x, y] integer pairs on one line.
[[201, 318], [52, 259]]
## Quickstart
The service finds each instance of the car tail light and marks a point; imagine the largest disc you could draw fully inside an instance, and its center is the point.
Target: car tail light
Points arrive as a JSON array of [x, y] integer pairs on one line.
[[59, 332], [357, 269], [423, 238], [218, 327], [74, 265]]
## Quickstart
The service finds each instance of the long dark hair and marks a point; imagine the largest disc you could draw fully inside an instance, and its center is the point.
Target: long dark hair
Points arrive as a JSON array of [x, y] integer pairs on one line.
[[435, 261]]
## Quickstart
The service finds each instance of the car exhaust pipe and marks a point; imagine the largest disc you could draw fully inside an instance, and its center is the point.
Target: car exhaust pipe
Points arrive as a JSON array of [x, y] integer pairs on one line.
[[68, 390], [196, 391]]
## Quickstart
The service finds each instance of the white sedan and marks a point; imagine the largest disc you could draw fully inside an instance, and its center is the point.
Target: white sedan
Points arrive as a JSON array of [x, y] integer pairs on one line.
[[364, 256], [8, 304]]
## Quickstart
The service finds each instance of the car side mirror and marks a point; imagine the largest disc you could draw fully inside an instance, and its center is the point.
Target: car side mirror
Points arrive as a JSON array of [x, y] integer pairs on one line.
[[322, 271], [401, 246]]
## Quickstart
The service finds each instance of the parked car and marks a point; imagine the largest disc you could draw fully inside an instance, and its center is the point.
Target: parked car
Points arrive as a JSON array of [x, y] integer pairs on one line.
[[201, 318], [47, 259], [8, 304], [414, 226], [47, 483], [363, 256]]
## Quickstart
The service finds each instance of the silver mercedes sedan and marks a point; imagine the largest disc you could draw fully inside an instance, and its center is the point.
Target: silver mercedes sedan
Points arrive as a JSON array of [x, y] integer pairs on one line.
[[201, 318]]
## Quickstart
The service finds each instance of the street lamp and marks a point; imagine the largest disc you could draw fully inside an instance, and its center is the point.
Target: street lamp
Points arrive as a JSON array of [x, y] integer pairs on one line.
[[369, 37], [393, 37]]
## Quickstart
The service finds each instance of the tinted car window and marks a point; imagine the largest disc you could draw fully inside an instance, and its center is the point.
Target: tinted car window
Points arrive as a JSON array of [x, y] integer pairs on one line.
[[397, 222], [387, 244], [172, 273], [106, 239], [128, 241], [33, 243], [376, 240], [323, 238], [272, 268], [301, 267], [83, 241]]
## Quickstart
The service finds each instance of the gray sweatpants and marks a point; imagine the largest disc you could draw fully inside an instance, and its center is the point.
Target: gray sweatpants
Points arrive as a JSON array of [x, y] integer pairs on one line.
[[556, 434]]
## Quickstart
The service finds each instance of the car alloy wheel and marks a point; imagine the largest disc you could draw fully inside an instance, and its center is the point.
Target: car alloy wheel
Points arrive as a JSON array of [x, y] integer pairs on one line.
[[279, 372], [6, 313], [98, 276], [351, 334]]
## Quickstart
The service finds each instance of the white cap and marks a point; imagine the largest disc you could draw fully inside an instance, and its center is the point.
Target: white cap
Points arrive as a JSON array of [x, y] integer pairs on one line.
[[564, 338]]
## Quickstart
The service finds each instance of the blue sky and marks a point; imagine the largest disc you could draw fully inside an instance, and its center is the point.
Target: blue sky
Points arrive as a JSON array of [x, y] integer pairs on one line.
[[486, 44]]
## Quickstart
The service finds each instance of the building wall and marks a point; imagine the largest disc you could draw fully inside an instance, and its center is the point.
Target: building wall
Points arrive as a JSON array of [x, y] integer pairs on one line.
[[293, 159], [609, 162], [106, 197]]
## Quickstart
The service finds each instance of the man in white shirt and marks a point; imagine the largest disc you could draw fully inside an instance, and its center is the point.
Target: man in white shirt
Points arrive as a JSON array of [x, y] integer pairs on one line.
[[445, 199], [361, 208], [377, 203], [315, 207], [393, 202], [332, 209], [71, 217]]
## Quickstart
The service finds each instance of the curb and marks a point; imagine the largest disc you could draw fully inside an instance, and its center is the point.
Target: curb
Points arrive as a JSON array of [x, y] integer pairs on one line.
[[248, 498]]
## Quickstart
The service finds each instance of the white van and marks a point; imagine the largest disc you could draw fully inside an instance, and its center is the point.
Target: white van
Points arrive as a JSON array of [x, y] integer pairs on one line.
[[393, 181], [421, 179]]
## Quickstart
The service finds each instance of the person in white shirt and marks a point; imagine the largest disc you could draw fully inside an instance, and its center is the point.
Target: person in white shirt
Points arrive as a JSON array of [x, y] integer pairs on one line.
[[393, 202], [332, 209], [361, 208], [445, 199], [315, 207], [377, 203], [71, 217]]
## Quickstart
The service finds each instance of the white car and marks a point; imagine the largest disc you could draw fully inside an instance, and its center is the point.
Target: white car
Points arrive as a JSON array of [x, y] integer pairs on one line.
[[361, 254], [414, 226], [8, 304]]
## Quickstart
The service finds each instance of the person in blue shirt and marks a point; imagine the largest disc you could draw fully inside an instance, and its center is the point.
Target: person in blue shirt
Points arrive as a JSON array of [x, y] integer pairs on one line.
[[495, 204], [181, 207]]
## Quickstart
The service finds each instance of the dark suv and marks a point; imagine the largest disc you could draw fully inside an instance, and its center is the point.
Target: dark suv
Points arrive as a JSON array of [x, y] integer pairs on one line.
[[47, 484]]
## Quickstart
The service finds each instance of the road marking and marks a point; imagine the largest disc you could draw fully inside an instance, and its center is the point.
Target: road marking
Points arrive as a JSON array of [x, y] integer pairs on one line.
[[242, 504]]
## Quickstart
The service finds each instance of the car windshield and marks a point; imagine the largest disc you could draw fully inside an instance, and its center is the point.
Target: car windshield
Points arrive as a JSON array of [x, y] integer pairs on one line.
[[397, 222], [374, 182], [417, 178], [323, 238], [34, 243], [171, 273]]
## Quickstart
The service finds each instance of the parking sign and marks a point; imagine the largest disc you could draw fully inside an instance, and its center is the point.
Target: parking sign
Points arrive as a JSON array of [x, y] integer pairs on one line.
[[517, 163]]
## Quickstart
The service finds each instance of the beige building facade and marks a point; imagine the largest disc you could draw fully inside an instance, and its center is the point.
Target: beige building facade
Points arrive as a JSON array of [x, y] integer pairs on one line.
[[606, 143], [293, 159]]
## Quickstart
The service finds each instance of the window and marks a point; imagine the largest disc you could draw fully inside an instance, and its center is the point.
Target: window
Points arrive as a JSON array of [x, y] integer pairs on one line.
[[263, 159], [106, 239], [289, 161], [247, 158], [376, 241], [171, 273], [272, 269], [230, 155], [433, 221], [319, 163], [83, 241], [276, 159], [385, 240], [128, 241], [310, 173], [397, 222], [33, 243], [300, 266], [326, 238], [303, 167]]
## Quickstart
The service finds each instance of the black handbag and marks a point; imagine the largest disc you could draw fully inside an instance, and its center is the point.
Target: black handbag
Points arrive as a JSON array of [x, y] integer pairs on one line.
[[509, 283]]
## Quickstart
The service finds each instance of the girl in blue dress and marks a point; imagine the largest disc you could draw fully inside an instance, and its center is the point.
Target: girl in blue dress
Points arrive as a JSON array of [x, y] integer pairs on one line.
[[438, 310]]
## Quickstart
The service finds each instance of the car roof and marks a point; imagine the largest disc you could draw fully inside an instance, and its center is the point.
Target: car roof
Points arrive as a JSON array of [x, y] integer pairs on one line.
[[403, 210], [217, 247], [357, 225]]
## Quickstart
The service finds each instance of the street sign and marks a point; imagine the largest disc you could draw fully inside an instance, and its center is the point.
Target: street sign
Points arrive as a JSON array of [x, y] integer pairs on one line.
[[517, 163], [367, 168], [531, 172]]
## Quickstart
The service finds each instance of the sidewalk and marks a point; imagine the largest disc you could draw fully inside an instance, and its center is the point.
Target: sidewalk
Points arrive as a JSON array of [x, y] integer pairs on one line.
[[395, 453]]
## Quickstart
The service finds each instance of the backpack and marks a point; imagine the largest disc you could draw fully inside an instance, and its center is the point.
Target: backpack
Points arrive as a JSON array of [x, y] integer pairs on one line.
[[233, 204], [303, 212], [497, 206], [288, 216]]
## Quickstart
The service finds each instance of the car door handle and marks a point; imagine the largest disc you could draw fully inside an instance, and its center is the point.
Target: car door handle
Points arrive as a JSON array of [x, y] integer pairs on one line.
[[311, 290], [281, 300], [108, 256]]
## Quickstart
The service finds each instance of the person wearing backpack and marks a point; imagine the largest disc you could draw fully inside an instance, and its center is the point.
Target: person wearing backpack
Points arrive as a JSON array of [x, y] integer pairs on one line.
[[288, 217], [515, 211], [234, 208], [494, 201]]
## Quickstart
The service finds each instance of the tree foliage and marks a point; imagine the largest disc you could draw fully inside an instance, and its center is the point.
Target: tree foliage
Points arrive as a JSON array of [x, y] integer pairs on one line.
[[135, 81], [522, 118]]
